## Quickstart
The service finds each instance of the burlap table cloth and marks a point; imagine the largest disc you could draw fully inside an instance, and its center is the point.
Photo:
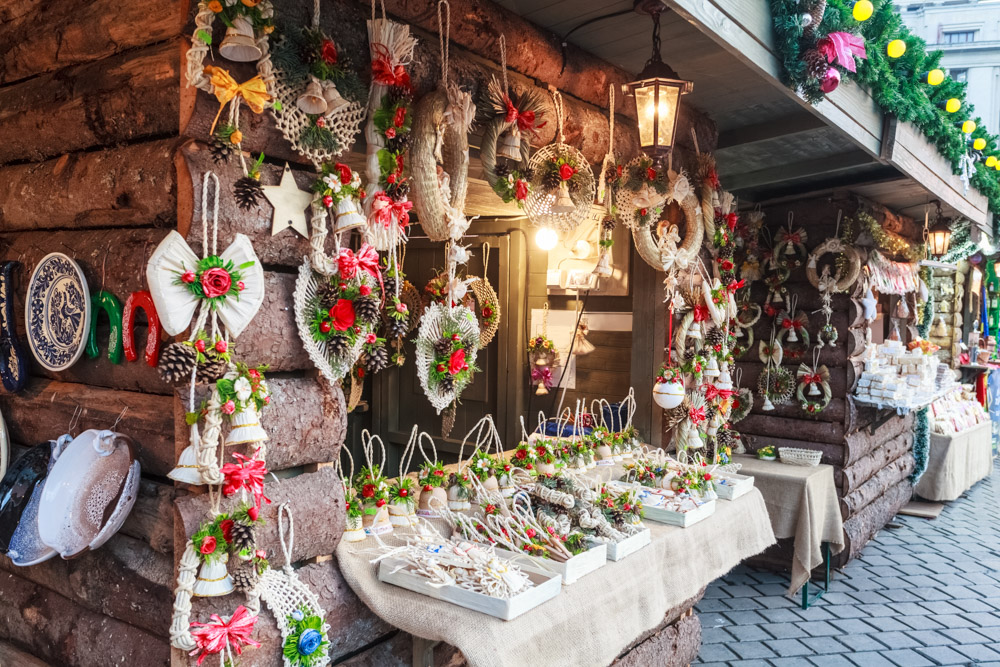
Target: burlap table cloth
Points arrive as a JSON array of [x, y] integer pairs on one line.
[[802, 503], [957, 462], [591, 621]]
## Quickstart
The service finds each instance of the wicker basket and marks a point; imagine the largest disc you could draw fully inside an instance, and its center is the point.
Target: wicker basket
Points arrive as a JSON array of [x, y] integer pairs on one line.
[[799, 457]]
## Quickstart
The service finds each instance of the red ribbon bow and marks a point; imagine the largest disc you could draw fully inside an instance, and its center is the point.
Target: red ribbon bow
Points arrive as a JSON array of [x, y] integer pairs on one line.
[[789, 323], [247, 474], [701, 313], [543, 374], [812, 379], [525, 119], [697, 415], [366, 259], [383, 71], [793, 238], [712, 392], [215, 636], [736, 284]]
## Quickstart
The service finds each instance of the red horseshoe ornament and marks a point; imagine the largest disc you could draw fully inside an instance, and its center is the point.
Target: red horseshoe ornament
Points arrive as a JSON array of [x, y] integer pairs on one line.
[[143, 300]]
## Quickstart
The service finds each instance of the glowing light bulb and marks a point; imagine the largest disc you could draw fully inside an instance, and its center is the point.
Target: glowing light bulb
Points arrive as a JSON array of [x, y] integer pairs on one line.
[[935, 77], [896, 48], [969, 126], [546, 238], [862, 10], [991, 161], [952, 105], [979, 144]]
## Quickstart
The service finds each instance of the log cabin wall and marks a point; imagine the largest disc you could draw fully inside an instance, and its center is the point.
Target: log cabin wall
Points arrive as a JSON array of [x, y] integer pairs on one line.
[[101, 154], [872, 460]]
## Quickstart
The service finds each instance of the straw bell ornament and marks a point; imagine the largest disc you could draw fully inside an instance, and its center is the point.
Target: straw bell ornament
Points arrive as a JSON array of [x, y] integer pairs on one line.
[[239, 44], [712, 368], [814, 389], [792, 336], [347, 216], [510, 145], [564, 203], [246, 427], [213, 579], [603, 268], [186, 471], [694, 331], [725, 380], [311, 101], [542, 390], [334, 100]]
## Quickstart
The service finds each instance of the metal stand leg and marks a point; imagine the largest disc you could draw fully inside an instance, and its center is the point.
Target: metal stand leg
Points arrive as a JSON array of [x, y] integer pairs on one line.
[[807, 599]]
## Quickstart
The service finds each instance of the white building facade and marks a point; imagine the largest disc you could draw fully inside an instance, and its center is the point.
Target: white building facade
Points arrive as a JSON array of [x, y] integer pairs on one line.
[[968, 32]]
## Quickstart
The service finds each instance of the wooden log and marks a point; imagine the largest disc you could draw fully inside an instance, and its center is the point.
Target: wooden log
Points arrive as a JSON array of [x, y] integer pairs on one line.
[[884, 479], [129, 186], [306, 425], [44, 410], [124, 579], [752, 368], [832, 454], [271, 337], [835, 412], [863, 442], [152, 517], [47, 37], [676, 645], [61, 632], [868, 466], [315, 499], [124, 98], [862, 527], [11, 655], [801, 429]]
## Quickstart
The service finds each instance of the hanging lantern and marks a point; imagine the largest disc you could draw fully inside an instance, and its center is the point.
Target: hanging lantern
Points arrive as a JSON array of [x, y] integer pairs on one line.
[[311, 101], [510, 145], [239, 44], [939, 236], [657, 92]]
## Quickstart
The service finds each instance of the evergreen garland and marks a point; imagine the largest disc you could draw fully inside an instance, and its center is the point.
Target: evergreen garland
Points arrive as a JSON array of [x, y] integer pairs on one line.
[[921, 444], [897, 85], [927, 316]]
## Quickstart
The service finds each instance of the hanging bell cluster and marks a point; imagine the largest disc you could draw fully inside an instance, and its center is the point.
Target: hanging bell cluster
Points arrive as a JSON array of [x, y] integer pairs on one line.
[[239, 44], [320, 98], [564, 203], [510, 145]]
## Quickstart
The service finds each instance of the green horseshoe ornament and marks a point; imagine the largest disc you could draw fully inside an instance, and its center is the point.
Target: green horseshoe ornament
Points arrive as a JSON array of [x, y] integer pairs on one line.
[[110, 304]]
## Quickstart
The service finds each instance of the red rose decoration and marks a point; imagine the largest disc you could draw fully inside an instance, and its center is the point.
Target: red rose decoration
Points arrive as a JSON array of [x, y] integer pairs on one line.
[[188, 277], [379, 503], [329, 52], [207, 546], [368, 491], [365, 290], [321, 122], [708, 476], [727, 265], [227, 530], [651, 173], [252, 512], [328, 201], [521, 190], [215, 282], [342, 315], [400, 117], [521, 454], [731, 220], [487, 311], [566, 172], [390, 133], [457, 362]]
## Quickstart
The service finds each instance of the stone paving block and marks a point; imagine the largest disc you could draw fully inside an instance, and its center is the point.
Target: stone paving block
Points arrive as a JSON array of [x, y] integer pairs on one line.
[[900, 595], [895, 639], [848, 611], [954, 621], [887, 623], [752, 649], [930, 638], [966, 636], [771, 589], [879, 610], [748, 633], [909, 609], [959, 593], [716, 592], [907, 658], [749, 663], [919, 581], [716, 653], [835, 597], [859, 643], [787, 648], [709, 605], [943, 655], [744, 617], [978, 652], [818, 628], [824, 645], [779, 616], [869, 659], [912, 569], [931, 594], [940, 607], [866, 584], [769, 577], [830, 661], [777, 602], [979, 578], [920, 622], [741, 591], [853, 626], [984, 619], [870, 597], [816, 613], [740, 604], [715, 635], [786, 631]]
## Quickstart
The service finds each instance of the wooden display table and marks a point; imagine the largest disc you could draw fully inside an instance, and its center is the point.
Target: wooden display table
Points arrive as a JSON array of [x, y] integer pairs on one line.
[[956, 462], [802, 504]]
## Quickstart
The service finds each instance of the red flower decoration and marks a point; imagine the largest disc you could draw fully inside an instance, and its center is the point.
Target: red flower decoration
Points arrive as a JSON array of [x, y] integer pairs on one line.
[[566, 172], [651, 173], [329, 52], [227, 530], [345, 173], [208, 546], [188, 277], [390, 133], [216, 282], [343, 315], [456, 363], [365, 290], [368, 491], [400, 117], [521, 454], [521, 190]]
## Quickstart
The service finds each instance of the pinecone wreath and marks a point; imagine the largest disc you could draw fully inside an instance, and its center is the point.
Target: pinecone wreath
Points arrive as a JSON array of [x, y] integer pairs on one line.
[[377, 360], [366, 309], [247, 192], [176, 363]]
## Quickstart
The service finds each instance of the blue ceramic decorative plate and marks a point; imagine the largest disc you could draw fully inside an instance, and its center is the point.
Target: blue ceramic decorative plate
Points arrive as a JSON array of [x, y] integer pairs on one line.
[[57, 312]]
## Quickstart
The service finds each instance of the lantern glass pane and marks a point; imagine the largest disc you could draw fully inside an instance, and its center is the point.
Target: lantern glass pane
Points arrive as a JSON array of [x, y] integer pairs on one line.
[[938, 241], [645, 111], [667, 112]]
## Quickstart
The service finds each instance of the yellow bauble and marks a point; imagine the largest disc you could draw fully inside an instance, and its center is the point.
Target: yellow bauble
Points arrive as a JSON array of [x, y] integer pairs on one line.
[[896, 48], [979, 144], [935, 77], [863, 10], [991, 161], [952, 105], [969, 126]]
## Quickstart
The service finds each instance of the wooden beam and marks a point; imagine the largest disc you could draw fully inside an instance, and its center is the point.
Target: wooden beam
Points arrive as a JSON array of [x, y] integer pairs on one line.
[[741, 137], [833, 164], [648, 342]]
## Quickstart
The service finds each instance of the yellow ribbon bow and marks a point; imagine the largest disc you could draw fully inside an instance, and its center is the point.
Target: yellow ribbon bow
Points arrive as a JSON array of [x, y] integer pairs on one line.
[[253, 91]]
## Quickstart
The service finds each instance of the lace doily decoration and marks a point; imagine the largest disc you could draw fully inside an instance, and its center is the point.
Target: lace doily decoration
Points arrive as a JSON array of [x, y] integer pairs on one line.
[[437, 320]]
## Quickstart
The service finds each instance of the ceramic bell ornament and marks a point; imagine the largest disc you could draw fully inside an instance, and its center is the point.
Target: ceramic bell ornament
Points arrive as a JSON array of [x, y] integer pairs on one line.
[[712, 368], [563, 203], [239, 44], [510, 144], [354, 531], [311, 101]]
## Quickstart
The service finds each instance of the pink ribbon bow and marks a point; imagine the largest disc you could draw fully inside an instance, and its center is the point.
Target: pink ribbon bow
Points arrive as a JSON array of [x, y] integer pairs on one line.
[[213, 637], [842, 47], [365, 259], [543, 374], [247, 474]]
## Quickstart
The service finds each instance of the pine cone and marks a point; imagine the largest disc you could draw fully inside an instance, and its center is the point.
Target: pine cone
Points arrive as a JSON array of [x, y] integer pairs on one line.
[[328, 295], [551, 179], [398, 191], [447, 383], [211, 370], [220, 150], [366, 309], [389, 285], [176, 363], [527, 173], [442, 347], [816, 10], [247, 192], [244, 575], [816, 64], [502, 169], [397, 328], [689, 355], [243, 537], [337, 346], [714, 337], [377, 360]]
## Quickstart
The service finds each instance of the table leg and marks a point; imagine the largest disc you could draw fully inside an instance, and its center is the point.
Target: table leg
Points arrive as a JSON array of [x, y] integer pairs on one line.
[[807, 599], [423, 652]]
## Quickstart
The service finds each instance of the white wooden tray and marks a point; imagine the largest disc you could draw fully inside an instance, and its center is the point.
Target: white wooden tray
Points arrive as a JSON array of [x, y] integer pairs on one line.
[[732, 486], [628, 546], [547, 586], [682, 519], [571, 571]]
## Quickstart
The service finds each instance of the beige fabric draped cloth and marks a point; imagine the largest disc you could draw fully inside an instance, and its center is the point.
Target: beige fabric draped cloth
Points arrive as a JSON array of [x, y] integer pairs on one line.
[[591, 621], [802, 503], [956, 462]]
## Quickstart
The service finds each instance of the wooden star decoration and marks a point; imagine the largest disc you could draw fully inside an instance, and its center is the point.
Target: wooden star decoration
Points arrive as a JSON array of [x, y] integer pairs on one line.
[[289, 204]]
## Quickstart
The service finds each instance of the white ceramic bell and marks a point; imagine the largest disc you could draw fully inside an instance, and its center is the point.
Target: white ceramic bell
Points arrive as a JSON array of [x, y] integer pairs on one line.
[[725, 380], [399, 514], [186, 471], [213, 578], [814, 389], [792, 336], [603, 267], [564, 203], [354, 532], [334, 100], [347, 216], [510, 145], [712, 368], [738, 333], [768, 405], [694, 440], [694, 331], [239, 44], [311, 101], [246, 427], [668, 395], [458, 499]]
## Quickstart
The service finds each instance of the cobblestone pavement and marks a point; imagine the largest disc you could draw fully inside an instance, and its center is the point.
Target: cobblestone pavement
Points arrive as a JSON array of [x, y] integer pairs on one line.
[[925, 593]]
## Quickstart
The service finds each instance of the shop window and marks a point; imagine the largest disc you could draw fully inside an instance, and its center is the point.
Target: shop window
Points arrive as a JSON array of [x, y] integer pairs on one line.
[[959, 74], [960, 37]]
